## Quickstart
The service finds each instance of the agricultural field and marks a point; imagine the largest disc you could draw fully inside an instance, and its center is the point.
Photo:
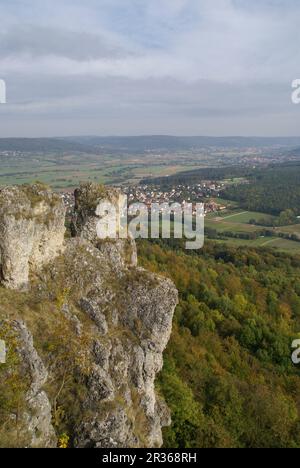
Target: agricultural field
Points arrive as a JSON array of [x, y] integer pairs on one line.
[[293, 229], [282, 245], [233, 223], [237, 222], [233, 220], [66, 171]]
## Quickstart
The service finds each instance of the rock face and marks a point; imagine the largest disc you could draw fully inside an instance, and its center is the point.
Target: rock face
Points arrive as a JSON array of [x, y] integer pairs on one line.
[[37, 416], [125, 365], [31, 232], [120, 317], [87, 216]]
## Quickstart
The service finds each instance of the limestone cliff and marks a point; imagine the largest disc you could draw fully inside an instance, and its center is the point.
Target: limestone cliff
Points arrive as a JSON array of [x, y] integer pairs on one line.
[[31, 231], [86, 337]]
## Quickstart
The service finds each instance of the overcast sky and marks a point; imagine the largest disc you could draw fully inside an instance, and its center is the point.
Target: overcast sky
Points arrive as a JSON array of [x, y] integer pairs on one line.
[[128, 67]]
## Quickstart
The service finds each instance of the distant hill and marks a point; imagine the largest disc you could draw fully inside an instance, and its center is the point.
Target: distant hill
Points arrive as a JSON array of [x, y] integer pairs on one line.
[[295, 152], [35, 145], [165, 142], [141, 144]]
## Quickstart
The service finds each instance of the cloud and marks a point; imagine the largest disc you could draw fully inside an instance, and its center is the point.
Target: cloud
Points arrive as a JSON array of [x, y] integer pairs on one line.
[[223, 41], [39, 42], [191, 59]]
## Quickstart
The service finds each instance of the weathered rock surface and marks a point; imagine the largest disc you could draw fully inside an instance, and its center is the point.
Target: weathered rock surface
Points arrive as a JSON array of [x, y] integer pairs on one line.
[[119, 252], [121, 315], [32, 229], [141, 304], [36, 420]]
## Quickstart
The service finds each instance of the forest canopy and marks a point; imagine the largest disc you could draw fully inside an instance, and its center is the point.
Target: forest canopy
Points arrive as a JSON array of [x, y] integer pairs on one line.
[[270, 190], [228, 376]]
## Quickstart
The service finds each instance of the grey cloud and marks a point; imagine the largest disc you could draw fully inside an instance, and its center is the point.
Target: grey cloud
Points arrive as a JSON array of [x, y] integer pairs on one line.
[[229, 70], [43, 41], [108, 96]]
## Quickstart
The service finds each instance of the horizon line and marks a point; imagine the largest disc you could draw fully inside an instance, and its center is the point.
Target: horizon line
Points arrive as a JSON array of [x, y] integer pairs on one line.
[[154, 135]]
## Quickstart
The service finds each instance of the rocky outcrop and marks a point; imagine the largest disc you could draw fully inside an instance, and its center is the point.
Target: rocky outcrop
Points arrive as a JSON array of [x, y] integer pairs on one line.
[[116, 320], [32, 229], [36, 419], [121, 251], [141, 304], [126, 362]]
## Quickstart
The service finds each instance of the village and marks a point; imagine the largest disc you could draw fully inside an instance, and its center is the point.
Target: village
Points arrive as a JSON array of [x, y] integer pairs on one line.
[[206, 192]]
